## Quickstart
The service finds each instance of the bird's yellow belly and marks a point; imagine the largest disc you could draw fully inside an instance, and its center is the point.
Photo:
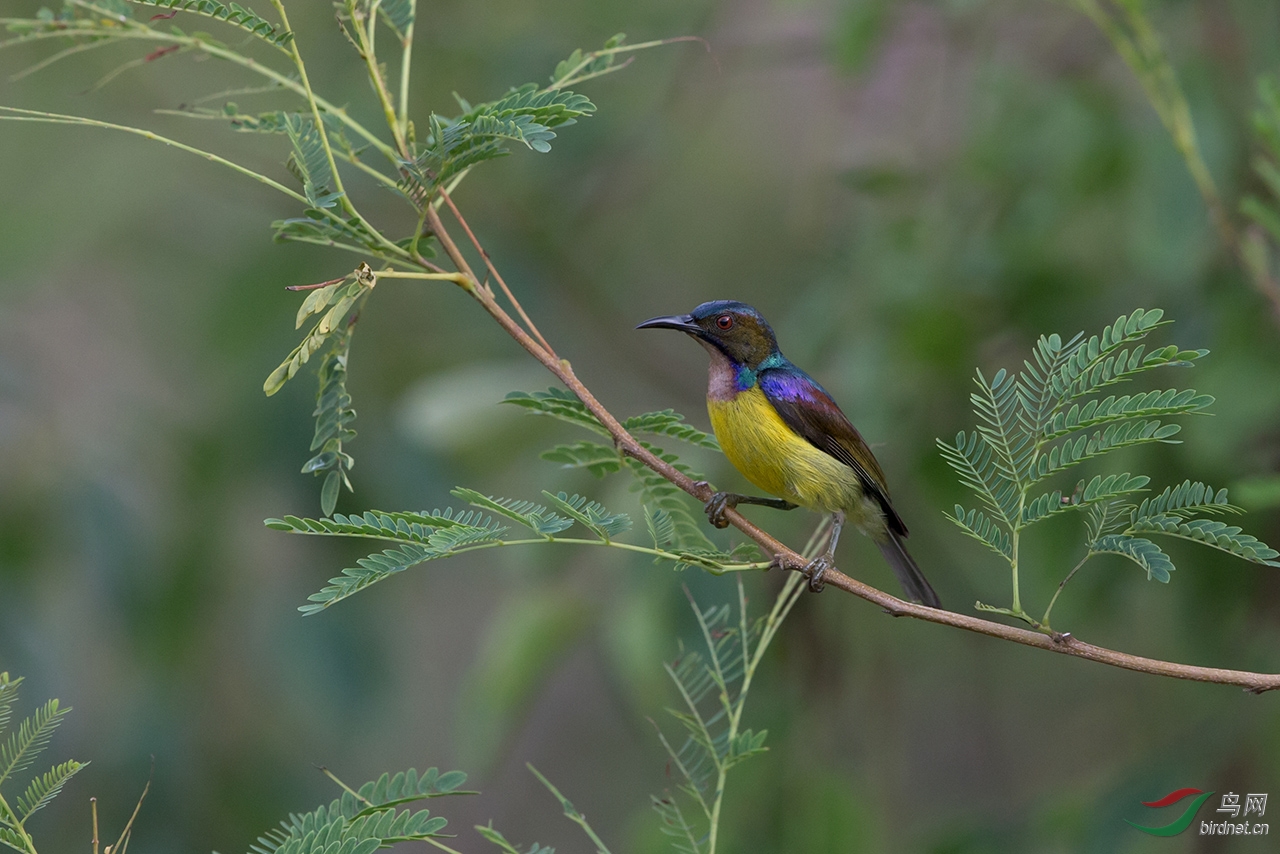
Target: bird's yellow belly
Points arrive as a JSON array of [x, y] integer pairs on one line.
[[773, 457]]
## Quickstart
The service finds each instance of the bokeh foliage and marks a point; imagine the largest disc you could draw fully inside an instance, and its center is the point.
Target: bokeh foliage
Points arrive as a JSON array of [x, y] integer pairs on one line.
[[906, 190]]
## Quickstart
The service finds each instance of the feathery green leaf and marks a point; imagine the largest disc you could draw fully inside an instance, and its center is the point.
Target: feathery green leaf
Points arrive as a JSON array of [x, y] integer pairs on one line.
[[524, 115], [1073, 451], [1186, 499], [379, 566], [1210, 532], [1098, 489], [591, 514], [661, 527], [971, 457], [8, 695], [492, 835], [233, 14], [533, 516], [11, 839], [557, 403], [578, 67], [398, 14], [1106, 517], [673, 823], [598, 459], [668, 422], [1265, 212], [32, 737], [1143, 552], [661, 494], [401, 526], [1155, 403], [986, 531], [308, 162], [45, 788]]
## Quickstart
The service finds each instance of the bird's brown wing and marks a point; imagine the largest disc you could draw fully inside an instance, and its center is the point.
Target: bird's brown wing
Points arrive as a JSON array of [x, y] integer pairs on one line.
[[809, 410]]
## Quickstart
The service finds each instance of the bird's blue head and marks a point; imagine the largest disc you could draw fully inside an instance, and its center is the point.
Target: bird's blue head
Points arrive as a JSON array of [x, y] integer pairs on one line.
[[734, 328]]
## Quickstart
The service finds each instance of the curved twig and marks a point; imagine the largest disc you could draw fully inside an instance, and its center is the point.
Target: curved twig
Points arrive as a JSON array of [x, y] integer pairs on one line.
[[1064, 644]]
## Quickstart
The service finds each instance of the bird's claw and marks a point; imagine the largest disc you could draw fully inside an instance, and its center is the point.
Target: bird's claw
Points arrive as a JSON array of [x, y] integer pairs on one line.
[[815, 570], [715, 507]]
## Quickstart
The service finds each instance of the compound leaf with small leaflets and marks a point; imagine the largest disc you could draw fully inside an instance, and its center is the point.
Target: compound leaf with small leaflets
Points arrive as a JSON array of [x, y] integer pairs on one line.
[[233, 14], [524, 116], [17, 753], [363, 820], [1052, 416], [533, 516], [591, 514]]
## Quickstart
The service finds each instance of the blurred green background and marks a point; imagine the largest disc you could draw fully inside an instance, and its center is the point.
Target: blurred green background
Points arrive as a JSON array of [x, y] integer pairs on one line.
[[907, 190]]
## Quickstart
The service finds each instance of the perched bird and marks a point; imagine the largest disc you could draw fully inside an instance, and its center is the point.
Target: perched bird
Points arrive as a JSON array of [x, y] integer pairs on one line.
[[787, 436]]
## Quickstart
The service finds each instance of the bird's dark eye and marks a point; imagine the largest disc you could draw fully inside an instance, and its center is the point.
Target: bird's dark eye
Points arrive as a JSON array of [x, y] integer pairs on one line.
[[725, 321]]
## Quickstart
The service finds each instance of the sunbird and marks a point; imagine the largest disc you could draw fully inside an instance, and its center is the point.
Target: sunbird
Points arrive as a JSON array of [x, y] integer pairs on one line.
[[788, 437]]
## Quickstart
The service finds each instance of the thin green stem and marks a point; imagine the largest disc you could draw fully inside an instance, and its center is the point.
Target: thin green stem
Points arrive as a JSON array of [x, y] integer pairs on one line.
[[385, 180], [675, 757], [371, 32], [239, 90], [348, 247], [587, 58], [456, 278], [406, 57], [722, 774], [571, 812], [787, 597], [50, 60], [417, 233], [350, 791], [437, 843], [218, 116], [116, 19], [1013, 563], [5, 809], [366, 30], [135, 30], [61, 119], [602, 72], [345, 199], [1044, 621], [675, 557], [296, 55], [712, 817], [23, 115]]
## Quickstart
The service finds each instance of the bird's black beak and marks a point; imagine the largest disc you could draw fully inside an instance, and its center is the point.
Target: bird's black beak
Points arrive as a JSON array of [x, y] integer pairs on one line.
[[683, 322]]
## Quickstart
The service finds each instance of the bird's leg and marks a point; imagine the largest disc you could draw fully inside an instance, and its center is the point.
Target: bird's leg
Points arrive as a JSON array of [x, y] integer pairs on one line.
[[720, 501], [818, 566]]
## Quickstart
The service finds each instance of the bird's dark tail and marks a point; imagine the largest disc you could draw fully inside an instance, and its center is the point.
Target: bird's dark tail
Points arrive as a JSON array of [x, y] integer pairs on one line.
[[909, 575]]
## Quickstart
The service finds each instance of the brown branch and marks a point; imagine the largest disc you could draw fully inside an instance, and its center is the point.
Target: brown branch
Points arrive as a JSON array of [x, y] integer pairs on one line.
[[488, 262], [627, 444]]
